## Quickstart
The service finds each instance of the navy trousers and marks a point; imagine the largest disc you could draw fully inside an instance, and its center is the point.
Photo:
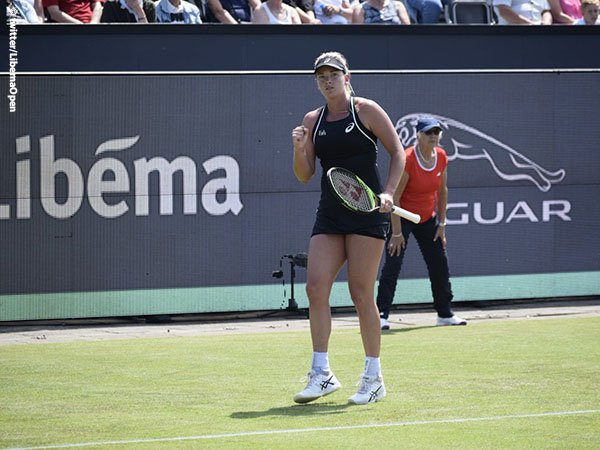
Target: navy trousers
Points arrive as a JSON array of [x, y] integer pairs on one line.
[[437, 267]]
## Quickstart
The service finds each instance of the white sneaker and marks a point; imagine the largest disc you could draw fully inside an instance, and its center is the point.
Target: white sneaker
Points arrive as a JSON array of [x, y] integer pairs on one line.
[[454, 320], [385, 325], [319, 385], [370, 390]]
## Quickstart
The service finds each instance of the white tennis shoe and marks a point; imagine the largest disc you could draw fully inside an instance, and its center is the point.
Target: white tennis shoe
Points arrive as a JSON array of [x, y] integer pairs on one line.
[[385, 325], [454, 320], [319, 385], [370, 390]]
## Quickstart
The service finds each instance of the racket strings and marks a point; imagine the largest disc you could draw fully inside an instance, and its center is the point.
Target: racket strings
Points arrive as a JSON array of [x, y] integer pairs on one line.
[[352, 192]]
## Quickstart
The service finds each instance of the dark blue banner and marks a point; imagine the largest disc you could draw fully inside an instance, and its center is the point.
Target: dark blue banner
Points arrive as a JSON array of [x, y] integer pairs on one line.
[[142, 182]]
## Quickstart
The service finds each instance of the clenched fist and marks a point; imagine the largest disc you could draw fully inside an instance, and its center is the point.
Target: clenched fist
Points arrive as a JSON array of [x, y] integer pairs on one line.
[[299, 137]]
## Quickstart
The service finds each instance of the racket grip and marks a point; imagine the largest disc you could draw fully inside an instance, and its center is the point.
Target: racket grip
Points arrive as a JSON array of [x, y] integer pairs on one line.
[[415, 218]]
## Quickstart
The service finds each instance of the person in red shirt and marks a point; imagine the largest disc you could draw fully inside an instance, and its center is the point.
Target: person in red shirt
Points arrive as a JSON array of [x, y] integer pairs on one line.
[[74, 11], [423, 189]]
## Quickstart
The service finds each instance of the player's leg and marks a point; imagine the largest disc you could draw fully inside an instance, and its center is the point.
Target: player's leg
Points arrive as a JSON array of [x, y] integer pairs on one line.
[[364, 255], [326, 255]]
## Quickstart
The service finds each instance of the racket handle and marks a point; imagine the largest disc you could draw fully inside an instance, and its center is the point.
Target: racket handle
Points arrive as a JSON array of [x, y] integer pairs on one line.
[[415, 218]]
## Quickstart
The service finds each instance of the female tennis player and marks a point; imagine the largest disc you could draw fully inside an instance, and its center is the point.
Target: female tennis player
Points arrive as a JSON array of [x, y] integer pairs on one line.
[[344, 133]]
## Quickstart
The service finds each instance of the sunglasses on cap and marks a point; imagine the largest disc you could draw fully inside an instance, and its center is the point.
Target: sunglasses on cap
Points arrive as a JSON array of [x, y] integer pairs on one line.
[[435, 131]]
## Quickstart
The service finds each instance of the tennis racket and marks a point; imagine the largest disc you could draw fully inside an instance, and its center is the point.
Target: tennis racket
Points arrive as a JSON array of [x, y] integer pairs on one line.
[[355, 195]]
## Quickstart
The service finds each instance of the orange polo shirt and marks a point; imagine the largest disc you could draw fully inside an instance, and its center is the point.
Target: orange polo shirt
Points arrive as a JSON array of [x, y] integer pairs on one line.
[[420, 193]]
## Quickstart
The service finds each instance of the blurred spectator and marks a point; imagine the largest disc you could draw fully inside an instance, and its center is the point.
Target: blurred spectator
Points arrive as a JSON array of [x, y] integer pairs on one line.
[[565, 11], [177, 11], [25, 11], [589, 9], [386, 12], [425, 11], [333, 11], [304, 8], [202, 6], [128, 11], [275, 12], [523, 12], [74, 11], [231, 11]]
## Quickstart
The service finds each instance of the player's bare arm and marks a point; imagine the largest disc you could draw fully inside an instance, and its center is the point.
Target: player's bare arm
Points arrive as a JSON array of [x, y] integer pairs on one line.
[[304, 151], [376, 119]]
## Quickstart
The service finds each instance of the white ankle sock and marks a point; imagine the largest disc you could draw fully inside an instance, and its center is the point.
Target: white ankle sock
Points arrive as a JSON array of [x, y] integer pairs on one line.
[[372, 366], [320, 362]]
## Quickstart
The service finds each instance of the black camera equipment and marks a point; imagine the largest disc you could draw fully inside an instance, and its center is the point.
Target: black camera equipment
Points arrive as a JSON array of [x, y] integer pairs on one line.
[[300, 260]]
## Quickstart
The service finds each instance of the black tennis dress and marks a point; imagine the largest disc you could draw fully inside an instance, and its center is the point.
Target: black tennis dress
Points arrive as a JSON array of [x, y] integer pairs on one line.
[[349, 144]]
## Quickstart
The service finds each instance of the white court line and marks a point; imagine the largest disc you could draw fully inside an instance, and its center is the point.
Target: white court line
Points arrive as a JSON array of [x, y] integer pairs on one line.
[[310, 430]]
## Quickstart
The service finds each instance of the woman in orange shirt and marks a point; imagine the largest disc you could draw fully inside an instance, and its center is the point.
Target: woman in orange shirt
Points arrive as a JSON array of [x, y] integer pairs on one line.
[[423, 189]]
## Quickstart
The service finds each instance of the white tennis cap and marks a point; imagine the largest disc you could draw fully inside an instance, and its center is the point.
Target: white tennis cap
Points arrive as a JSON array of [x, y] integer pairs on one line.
[[331, 61]]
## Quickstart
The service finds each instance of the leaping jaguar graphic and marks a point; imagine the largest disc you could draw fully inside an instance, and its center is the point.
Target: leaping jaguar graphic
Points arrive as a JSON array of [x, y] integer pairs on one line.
[[468, 143]]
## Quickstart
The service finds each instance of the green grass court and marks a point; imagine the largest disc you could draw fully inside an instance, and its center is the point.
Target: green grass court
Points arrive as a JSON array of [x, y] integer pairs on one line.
[[523, 384]]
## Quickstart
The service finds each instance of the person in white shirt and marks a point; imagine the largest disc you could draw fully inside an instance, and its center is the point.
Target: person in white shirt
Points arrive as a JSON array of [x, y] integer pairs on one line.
[[333, 11], [177, 11], [275, 12], [27, 11], [523, 12]]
